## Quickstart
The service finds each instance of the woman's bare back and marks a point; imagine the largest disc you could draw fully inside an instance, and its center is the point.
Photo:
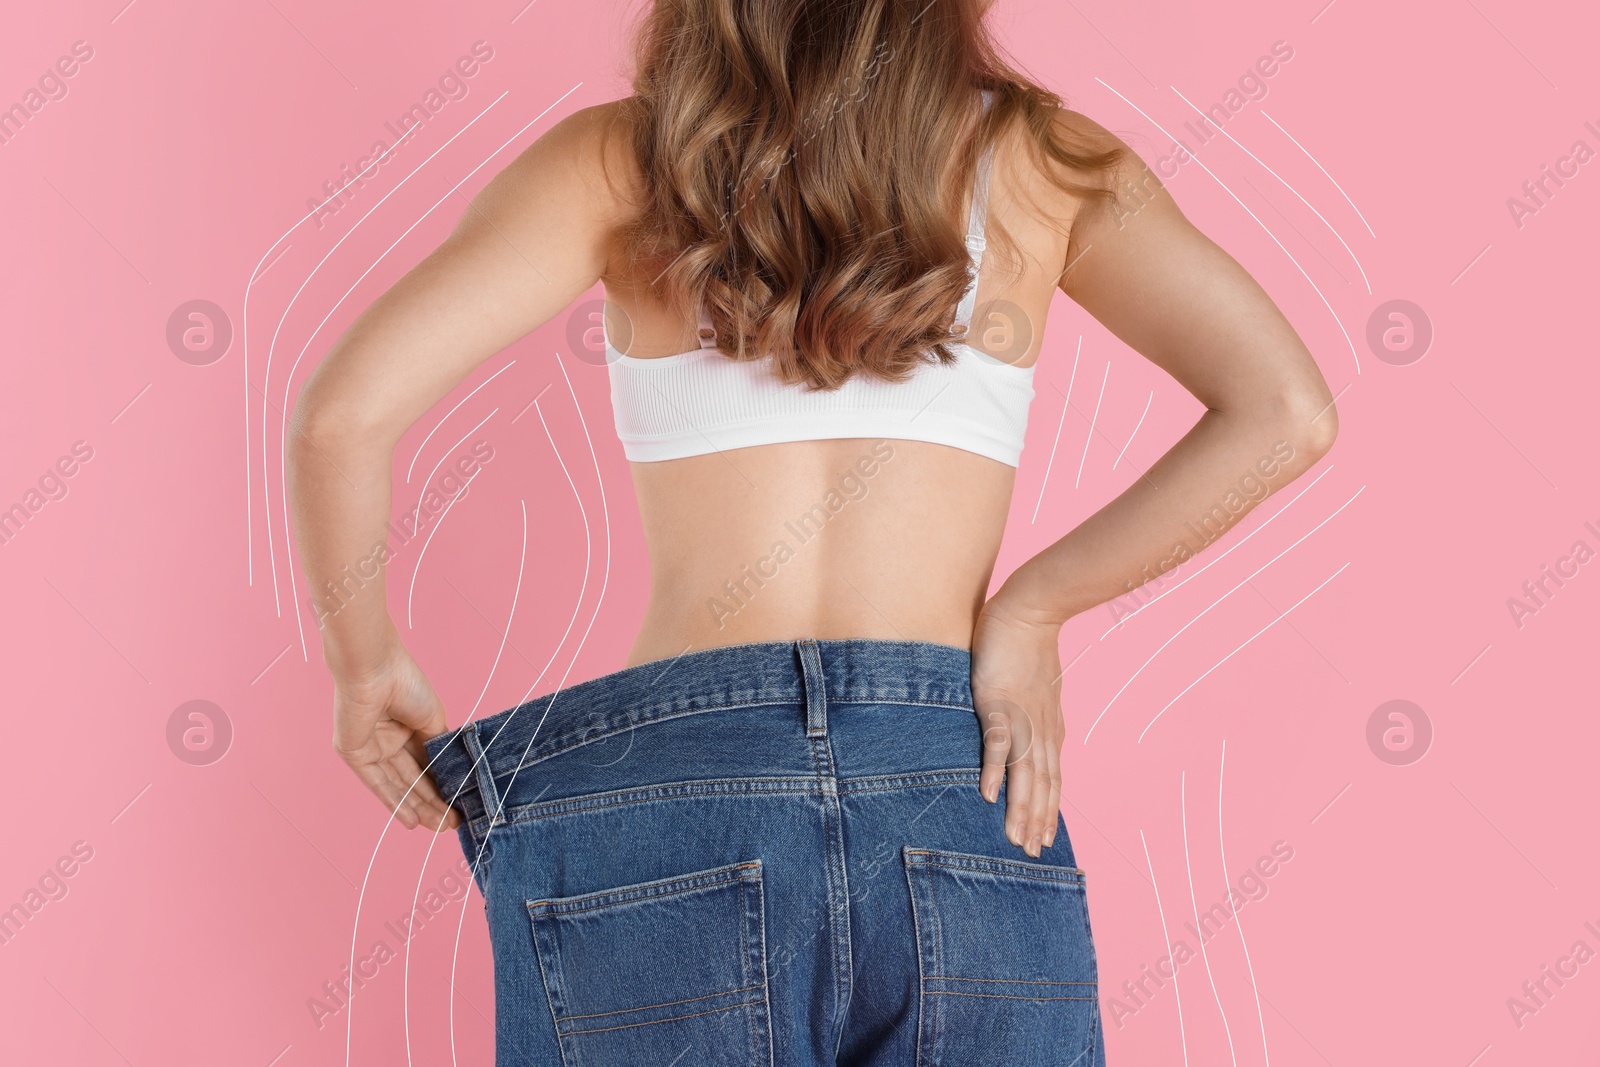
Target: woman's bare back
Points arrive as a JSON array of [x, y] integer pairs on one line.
[[855, 537]]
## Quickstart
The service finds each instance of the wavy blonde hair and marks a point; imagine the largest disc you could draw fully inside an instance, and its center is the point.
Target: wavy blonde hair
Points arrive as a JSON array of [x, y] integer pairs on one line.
[[795, 161]]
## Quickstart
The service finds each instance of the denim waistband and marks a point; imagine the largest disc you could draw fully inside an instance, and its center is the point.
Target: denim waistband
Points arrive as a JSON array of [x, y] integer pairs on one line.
[[809, 673]]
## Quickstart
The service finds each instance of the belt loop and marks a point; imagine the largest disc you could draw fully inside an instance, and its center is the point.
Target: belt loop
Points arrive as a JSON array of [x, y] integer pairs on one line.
[[487, 792], [815, 692]]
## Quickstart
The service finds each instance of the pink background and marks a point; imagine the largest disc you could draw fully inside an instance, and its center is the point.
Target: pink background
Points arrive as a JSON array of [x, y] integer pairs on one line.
[[219, 896]]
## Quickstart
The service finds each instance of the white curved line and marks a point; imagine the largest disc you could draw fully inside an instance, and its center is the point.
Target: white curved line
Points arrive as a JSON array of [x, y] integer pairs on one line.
[[266, 381], [1205, 957], [594, 461], [452, 411], [447, 454], [1148, 400], [476, 860], [1066, 405], [424, 493], [1324, 170], [581, 592], [455, 953], [412, 592], [244, 337], [288, 382], [1220, 556], [1182, 1036], [1337, 321], [361, 896], [1213, 604], [1236, 651], [416, 894], [588, 558], [588, 555], [347, 292], [1087, 441], [1289, 187], [1238, 922], [506, 636]]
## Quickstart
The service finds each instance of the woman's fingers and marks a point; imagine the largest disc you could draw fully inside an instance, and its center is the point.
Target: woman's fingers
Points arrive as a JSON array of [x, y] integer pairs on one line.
[[1033, 789], [1039, 803], [1046, 799], [1021, 781], [385, 785], [1022, 750], [405, 791], [1052, 813], [996, 723], [1019, 791], [429, 806]]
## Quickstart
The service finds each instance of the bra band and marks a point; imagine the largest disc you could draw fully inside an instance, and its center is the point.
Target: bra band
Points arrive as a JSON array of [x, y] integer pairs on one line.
[[976, 243]]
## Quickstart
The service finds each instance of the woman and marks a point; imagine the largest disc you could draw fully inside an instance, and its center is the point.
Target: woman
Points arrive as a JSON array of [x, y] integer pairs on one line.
[[815, 817]]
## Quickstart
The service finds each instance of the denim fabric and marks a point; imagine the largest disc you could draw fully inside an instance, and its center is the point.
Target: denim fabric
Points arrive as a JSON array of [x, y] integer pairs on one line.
[[766, 854]]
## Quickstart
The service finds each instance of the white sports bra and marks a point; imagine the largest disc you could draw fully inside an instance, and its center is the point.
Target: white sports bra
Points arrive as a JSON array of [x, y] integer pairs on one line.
[[701, 401]]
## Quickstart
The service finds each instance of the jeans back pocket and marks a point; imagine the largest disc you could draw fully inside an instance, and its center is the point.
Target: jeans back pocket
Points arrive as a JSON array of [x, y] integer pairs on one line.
[[1006, 960], [670, 971]]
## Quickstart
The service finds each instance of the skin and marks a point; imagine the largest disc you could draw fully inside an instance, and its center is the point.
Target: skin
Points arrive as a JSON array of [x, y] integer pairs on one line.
[[544, 231]]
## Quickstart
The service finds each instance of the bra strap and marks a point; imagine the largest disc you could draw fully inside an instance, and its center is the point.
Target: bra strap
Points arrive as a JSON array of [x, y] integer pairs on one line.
[[707, 335], [975, 233]]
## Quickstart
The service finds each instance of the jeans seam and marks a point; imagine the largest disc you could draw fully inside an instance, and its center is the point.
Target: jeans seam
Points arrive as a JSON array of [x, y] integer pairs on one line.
[[663, 1004], [480, 861], [913, 780], [649, 717], [665, 894], [654, 1022], [1006, 874], [978, 864], [550, 987], [549, 809], [647, 891], [766, 988], [634, 722], [676, 791]]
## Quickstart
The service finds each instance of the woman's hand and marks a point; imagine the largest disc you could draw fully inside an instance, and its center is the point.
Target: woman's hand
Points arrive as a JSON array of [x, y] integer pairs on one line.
[[379, 723], [1016, 688]]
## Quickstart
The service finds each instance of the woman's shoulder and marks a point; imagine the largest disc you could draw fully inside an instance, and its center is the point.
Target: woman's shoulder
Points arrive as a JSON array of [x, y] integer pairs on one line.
[[1056, 167], [1092, 153], [597, 141], [583, 162]]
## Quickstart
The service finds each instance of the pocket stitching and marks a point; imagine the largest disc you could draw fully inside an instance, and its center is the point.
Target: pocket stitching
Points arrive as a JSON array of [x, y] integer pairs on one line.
[[761, 1026], [1009, 981], [661, 887], [1065, 878], [668, 1004], [970, 861], [653, 1022], [927, 1009], [1005, 874], [743, 876], [1005, 996], [548, 960]]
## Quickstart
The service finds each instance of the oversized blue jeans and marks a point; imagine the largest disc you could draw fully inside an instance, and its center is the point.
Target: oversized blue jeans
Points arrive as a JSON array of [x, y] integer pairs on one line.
[[767, 854]]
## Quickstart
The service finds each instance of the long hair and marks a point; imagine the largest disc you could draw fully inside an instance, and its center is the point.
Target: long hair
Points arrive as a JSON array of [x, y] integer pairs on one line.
[[796, 163]]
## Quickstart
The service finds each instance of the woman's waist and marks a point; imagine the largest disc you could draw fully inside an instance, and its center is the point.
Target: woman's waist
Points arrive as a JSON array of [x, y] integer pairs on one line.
[[739, 591], [843, 610]]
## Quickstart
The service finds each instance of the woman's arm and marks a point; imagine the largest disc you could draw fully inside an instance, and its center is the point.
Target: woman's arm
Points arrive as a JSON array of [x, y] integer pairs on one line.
[[1141, 269], [526, 246]]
